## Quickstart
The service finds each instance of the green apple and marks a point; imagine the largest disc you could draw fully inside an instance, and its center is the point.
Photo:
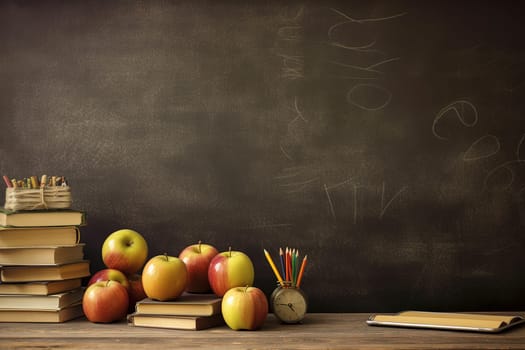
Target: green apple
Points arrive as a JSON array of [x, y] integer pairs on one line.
[[244, 308], [125, 250], [230, 269]]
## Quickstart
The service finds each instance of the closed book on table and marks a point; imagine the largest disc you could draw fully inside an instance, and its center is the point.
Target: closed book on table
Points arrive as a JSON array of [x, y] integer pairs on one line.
[[185, 305], [41, 255], [39, 236], [194, 323], [41, 302], [49, 217], [45, 316], [40, 288], [45, 272]]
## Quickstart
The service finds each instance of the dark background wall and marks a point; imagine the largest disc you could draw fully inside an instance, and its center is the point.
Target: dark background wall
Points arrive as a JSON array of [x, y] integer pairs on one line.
[[382, 138]]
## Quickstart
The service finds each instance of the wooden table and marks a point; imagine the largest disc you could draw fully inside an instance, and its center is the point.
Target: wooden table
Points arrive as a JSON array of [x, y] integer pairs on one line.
[[319, 331]]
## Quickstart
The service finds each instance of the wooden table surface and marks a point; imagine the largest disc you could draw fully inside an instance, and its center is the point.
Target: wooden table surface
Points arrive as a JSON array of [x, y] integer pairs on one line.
[[319, 331]]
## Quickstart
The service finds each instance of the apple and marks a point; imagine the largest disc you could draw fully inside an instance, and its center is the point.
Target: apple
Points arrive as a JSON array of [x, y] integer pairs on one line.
[[197, 258], [135, 290], [164, 277], [105, 301], [230, 269], [125, 250], [244, 308], [110, 275]]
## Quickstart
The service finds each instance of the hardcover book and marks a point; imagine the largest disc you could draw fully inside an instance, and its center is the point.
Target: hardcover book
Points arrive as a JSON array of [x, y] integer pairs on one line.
[[185, 305], [29, 218], [41, 255], [45, 272], [175, 322], [41, 302], [40, 288], [47, 316], [39, 236]]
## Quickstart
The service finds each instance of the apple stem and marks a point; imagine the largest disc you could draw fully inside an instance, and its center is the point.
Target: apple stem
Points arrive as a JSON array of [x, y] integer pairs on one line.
[[246, 289], [230, 251], [200, 242], [166, 256]]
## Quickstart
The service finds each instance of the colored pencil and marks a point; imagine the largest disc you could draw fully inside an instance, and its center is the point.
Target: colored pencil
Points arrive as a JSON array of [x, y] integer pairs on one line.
[[281, 258], [301, 271], [275, 271]]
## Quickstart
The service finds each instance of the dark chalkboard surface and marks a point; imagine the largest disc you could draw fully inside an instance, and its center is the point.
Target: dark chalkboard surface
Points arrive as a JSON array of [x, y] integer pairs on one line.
[[382, 138]]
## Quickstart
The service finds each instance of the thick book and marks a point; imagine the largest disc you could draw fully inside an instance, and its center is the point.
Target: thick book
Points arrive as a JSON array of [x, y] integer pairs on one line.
[[185, 305], [45, 272], [41, 255], [40, 288], [39, 236], [42, 316], [31, 218], [41, 302], [490, 323], [194, 323]]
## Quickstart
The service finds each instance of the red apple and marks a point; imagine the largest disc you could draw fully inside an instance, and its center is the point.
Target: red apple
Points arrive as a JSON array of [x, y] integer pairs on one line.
[[105, 301], [230, 269], [109, 275], [197, 258], [136, 291], [125, 250], [244, 308], [164, 277]]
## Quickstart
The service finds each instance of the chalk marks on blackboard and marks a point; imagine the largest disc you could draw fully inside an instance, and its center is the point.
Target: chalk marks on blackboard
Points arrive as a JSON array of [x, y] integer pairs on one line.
[[368, 97], [367, 48], [507, 168], [327, 190], [504, 176], [463, 110], [349, 19], [369, 104], [518, 148], [292, 67], [298, 113], [291, 36], [291, 33], [384, 206], [355, 188], [295, 125], [484, 147], [296, 179]]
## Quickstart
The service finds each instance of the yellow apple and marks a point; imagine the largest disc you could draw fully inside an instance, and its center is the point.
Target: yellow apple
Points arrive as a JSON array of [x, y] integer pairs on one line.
[[164, 277], [125, 250]]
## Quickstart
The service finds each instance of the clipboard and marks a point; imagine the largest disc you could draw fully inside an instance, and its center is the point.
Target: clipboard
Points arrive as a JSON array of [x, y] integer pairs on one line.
[[472, 322]]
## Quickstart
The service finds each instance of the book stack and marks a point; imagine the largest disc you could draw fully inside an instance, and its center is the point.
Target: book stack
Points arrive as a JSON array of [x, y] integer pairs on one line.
[[41, 265], [187, 312]]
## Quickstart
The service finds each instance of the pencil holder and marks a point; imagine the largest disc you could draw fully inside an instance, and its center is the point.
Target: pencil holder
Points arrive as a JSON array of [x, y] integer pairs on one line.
[[48, 197], [289, 303]]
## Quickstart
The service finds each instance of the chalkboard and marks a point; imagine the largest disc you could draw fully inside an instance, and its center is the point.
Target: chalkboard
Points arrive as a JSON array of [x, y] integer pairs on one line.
[[382, 138]]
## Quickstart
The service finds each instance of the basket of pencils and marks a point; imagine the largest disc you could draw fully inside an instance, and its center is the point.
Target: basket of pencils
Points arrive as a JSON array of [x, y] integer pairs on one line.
[[33, 194]]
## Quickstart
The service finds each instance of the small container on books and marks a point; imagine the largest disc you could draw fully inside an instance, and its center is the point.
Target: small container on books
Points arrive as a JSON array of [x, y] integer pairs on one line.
[[46, 197]]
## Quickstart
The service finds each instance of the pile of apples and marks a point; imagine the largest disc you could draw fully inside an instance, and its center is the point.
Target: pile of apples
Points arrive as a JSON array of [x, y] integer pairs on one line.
[[199, 268]]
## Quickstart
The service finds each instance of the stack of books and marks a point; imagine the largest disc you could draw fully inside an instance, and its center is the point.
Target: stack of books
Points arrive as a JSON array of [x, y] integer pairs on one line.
[[41, 265], [187, 312]]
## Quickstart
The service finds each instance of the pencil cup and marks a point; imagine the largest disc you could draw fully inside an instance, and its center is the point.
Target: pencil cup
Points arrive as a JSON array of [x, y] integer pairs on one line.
[[49, 197]]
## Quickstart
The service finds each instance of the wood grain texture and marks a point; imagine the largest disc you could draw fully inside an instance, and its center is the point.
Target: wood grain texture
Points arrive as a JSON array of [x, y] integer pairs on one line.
[[319, 331]]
